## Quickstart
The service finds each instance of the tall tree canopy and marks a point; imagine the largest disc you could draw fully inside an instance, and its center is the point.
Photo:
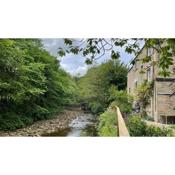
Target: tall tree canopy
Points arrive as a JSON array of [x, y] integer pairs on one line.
[[95, 85], [32, 84]]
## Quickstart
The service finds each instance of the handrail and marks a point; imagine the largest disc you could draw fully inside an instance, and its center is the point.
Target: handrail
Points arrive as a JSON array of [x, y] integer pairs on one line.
[[122, 129]]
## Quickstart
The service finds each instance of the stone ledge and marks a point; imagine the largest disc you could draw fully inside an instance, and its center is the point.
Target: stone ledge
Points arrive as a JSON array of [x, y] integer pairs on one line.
[[165, 79]]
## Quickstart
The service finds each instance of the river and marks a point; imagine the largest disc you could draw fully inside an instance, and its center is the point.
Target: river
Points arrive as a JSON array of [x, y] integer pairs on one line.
[[82, 125]]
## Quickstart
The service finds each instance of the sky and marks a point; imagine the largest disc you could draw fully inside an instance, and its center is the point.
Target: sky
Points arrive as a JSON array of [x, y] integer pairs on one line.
[[75, 64]]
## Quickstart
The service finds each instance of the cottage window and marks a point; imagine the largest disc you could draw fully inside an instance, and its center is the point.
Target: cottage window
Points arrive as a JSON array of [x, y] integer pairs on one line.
[[168, 119], [149, 74], [150, 51]]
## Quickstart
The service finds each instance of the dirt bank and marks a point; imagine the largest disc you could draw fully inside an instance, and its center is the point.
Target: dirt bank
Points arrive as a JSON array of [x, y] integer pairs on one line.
[[46, 126]]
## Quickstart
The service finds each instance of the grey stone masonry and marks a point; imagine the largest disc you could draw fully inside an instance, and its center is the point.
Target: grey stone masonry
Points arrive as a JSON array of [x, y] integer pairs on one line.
[[162, 103]]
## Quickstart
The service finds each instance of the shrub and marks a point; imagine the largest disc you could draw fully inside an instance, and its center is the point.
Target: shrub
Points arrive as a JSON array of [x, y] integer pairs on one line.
[[11, 123], [26, 120], [39, 113], [149, 118], [108, 124], [95, 107], [136, 126], [156, 131], [121, 99]]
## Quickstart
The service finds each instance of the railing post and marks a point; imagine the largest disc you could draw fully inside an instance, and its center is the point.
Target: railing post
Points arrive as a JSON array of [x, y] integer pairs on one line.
[[122, 129]]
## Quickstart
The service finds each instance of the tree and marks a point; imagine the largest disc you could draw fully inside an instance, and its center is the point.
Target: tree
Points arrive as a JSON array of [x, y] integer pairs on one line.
[[94, 48], [94, 86], [32, 84], [121, 99]]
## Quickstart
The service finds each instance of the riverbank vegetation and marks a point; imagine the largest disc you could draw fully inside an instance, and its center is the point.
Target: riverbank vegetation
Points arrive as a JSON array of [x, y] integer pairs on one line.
[[96, 86], [107, 123], [32, 84], [108, 119], [103, 87], [138, 127]]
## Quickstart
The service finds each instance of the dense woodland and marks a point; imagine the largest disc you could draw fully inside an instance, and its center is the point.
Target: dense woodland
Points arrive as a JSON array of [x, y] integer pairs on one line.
[[32, 84]]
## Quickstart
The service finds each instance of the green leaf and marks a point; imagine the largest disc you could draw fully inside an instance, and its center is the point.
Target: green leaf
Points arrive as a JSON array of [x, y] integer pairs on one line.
[[61, 53], [115, 55], [68, 41]]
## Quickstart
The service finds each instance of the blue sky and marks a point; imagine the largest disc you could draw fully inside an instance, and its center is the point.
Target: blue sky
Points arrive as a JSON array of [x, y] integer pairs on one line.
[[75, 64]]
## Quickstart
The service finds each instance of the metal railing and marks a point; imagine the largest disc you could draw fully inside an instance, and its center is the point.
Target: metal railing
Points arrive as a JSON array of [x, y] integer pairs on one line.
[[122, 129]]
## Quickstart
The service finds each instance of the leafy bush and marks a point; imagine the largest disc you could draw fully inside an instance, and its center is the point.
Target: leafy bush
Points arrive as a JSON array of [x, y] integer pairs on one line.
[[26, 120], [120, 99], [136, 126], [95, 107], [107, 123], [156, 131], [149, 118], [11, 121], [39, 113]]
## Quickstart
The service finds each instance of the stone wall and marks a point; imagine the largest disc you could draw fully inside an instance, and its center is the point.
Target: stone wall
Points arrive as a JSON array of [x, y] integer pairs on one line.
[[162, 103], [138, 72], [165, 99]]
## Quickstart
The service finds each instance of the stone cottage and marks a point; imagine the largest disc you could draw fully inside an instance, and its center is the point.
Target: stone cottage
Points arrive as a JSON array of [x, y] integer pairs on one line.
[[162, 102]]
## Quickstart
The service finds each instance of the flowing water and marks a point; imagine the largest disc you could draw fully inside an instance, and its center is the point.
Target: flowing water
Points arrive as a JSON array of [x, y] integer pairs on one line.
[[83, 125]]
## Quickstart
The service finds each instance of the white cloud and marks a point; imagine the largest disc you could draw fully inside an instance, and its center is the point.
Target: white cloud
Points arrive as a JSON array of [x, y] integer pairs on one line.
[[75, 64]]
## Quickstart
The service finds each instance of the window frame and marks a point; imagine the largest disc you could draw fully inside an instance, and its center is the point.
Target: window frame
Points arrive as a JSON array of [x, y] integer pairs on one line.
[[148, 74], [150, 51]]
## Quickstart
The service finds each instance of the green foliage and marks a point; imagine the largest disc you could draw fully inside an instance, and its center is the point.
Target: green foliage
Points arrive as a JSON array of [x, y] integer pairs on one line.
[[108, 123], [61, 53], [156, 131], [115, 55], [32, 84], [96, 107], [148, 118], [12, 121], [94, 86], [121, 99], [138, 127], [146, 59], [94, 48], [144, 93]]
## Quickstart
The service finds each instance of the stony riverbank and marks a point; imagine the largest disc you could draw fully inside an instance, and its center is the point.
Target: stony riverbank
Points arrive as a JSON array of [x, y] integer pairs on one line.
[[46, 126]]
